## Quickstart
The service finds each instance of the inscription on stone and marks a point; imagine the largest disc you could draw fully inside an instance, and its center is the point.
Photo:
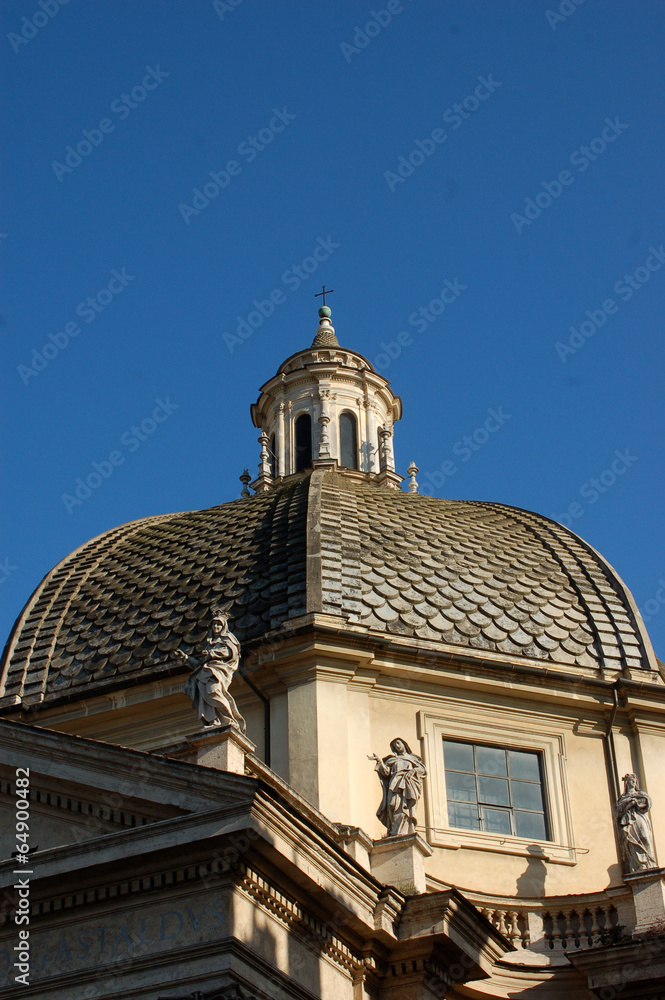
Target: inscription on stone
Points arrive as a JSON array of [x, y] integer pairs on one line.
[[116, 939]]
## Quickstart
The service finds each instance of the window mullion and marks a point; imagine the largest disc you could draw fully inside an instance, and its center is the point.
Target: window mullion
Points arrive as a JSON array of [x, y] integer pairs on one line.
[[478, 806], [513, 825]]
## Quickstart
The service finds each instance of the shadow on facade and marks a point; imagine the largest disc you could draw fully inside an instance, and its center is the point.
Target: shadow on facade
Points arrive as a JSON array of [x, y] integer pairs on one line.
[[305, 964], [615, 874], [532, 880], [292, 955]]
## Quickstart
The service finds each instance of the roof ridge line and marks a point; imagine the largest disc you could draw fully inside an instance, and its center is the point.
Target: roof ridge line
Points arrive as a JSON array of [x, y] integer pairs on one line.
[[313, 547]]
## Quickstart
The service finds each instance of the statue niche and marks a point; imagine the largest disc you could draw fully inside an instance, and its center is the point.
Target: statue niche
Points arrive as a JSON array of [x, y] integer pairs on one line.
[[213, 671]]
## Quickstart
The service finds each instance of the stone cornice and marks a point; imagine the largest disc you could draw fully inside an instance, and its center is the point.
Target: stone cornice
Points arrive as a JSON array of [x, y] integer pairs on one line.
[[95, 809], [291, 913], [427, 661], [281, 790], [350, 654], [265, 819], [133, 774], [58, 891], [633, 969], [91, 860]]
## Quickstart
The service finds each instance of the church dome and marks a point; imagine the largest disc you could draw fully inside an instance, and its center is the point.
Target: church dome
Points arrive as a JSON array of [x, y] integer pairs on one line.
[[481, 581], [328, 532]]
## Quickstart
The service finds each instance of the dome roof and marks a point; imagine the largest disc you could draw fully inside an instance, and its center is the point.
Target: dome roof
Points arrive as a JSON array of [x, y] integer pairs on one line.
[[478, 577]]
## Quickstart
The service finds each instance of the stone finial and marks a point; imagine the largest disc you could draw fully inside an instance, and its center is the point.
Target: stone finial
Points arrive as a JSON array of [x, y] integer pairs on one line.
[[245, 479], [325, 334], [635, 834], [412, 472], [401, 774]]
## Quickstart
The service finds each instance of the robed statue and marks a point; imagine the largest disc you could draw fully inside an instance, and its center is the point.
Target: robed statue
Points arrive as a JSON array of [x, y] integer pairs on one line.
[[635, 831], [401, 774], [212, 673]]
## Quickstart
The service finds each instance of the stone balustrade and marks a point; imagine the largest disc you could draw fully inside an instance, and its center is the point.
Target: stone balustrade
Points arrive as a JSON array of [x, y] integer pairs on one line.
[[560, 925]]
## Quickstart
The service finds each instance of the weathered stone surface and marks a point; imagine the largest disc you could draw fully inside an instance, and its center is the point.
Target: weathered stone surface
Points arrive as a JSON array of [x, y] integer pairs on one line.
[[648, 889], [400, 861]]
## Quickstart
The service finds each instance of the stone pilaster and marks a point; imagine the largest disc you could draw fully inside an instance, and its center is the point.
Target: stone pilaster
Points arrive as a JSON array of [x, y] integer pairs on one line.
[[648, 888]]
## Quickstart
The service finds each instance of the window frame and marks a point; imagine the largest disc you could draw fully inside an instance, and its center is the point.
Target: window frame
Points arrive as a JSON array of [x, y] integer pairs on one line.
[[481, 803], [498, 728], [296, 418], [354, 424]]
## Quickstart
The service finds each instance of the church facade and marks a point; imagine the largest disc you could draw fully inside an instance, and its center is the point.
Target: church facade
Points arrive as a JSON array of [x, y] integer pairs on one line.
[[334, 739]]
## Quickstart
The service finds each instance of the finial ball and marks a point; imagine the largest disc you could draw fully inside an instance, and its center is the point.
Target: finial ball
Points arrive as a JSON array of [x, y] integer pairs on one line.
[[324, 311]]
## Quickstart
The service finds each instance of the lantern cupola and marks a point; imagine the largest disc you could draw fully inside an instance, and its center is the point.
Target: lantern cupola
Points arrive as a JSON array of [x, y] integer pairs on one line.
[[326, 407]]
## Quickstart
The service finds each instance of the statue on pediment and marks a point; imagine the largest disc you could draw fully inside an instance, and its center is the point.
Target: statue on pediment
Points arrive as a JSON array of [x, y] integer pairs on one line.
[[401, 774], [635, 831], [212, 673]]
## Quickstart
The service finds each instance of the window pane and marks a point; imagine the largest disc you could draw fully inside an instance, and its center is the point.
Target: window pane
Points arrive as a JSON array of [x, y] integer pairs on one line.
[[458, 756], [530, 825], [527, 795], [494, 790], [496, 820], [463, 816], [303, 442], [348, 439], [491, 760], [461, 786], [506, 785], [524, 765]]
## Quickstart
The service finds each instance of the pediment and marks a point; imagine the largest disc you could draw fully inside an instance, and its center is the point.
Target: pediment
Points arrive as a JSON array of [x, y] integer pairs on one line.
[[80, 789]]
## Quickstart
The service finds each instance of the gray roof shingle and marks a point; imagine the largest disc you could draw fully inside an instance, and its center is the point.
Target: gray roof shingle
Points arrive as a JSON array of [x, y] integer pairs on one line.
[[480, 576]]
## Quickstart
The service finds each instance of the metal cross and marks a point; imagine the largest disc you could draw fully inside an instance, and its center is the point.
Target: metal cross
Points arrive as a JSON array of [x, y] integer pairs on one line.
[[325, 292]]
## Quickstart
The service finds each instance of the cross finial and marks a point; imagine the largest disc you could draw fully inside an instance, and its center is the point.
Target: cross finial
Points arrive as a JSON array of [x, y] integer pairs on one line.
[[326, 291]]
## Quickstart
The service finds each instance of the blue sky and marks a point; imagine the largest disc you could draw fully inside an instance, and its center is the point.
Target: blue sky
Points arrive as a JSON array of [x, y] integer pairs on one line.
[[509, 152]]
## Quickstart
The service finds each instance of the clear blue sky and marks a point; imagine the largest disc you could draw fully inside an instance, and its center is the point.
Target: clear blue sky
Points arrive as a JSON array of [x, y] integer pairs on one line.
[[533, 199]]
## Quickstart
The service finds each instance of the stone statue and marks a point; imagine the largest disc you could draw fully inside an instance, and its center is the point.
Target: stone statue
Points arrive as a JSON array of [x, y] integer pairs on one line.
[[634, 826], [208, 686], [401, 775]]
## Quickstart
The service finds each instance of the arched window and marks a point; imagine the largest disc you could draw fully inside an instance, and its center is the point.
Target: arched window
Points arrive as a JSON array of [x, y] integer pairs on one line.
[[272, 457], [303, 442], [348, 441]]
